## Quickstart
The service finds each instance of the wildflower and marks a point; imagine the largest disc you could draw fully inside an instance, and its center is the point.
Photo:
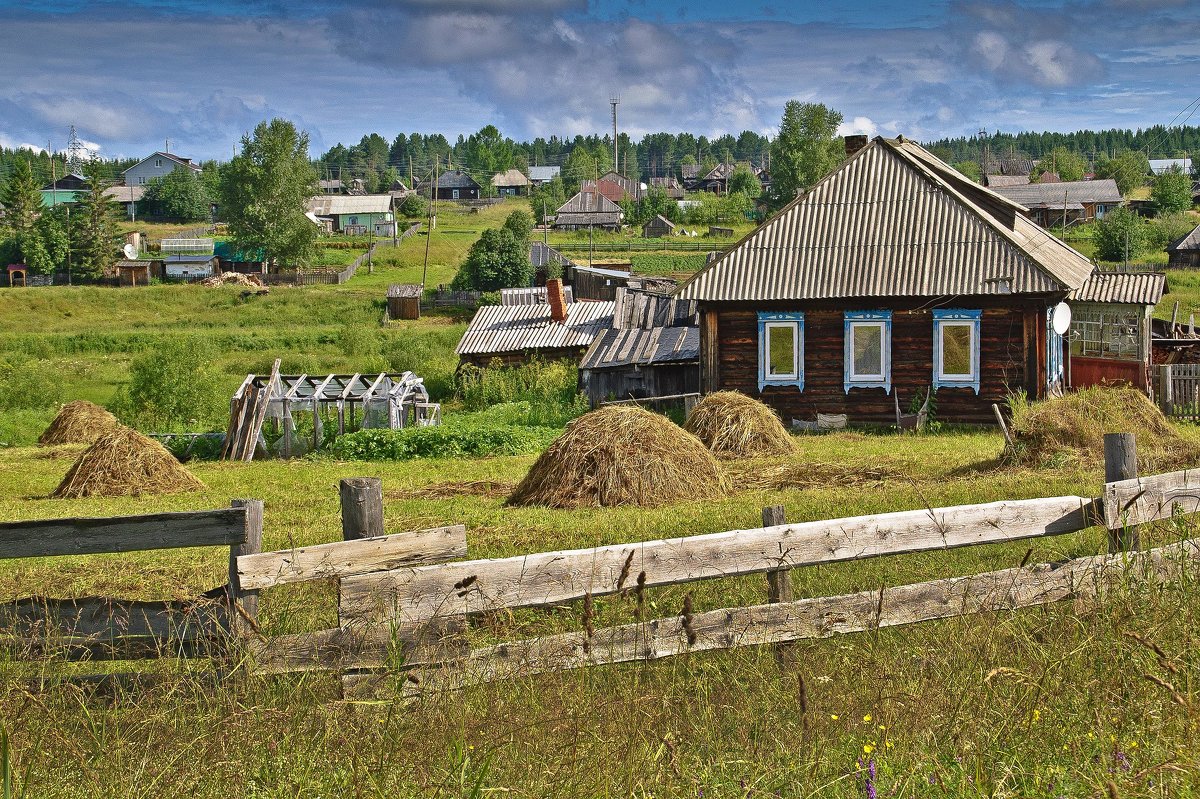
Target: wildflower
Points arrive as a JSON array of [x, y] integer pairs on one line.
[[1037, 715], [833, 716], [867, 718], [868, 749], [1132, 744], [882, 727]]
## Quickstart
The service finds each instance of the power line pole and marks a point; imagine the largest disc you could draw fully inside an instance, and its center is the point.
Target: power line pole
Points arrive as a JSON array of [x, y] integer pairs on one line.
[[432, 221], [614, 101]]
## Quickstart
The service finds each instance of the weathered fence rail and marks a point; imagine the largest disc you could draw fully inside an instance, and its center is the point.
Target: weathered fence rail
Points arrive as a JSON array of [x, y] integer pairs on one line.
[[415, 614]]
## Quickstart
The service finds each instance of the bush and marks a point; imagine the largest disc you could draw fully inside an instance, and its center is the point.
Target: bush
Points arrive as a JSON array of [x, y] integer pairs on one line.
[[445, 441], [172, 389], [550, 389], [1118, 234], [667, 264], [413, 206], [23, 385]]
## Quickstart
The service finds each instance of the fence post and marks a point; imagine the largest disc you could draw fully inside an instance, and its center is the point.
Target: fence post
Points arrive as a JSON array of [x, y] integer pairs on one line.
[[362, 507], [1166, 393], [779, 581], [1120, 463], [243, 605]]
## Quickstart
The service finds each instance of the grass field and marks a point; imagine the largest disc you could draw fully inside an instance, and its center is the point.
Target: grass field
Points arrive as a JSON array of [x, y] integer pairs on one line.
[[1056, 701]]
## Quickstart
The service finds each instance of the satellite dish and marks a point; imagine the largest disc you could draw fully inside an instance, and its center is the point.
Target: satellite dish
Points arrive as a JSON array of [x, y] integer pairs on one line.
[[1060, 318], [130, 252]]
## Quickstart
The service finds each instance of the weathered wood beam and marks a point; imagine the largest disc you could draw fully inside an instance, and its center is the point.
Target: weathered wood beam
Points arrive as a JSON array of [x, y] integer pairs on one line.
[[411, 595], [1147, 499], [88, 536]]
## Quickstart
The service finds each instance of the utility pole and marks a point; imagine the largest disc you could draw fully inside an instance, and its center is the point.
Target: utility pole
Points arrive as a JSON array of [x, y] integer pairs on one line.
[[432, 221], [614, 101], [545, 226]]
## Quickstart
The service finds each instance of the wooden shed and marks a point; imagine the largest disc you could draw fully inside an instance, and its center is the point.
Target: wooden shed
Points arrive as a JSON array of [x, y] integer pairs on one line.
[[134, 273], [1110, 328], [404, 301], [596, 282], [658, 227], [511, 334], [891, 275], [17, 272], [1185, 253]]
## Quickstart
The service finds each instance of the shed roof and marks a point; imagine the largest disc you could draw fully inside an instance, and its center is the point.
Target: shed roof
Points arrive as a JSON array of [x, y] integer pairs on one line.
[[995, 181], [616, 348], [892, 220], [660, 221], [126, 194], [1051, 195], [498, 329], [1189, 242], [513, 177], [1161, 165], [337, 204], [408, 290], [541, 254], [456, 179], [648, 309], [1131, 288]]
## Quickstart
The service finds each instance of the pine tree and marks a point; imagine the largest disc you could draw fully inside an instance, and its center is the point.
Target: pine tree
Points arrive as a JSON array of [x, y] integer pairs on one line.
[[21, 199], [94, 230]]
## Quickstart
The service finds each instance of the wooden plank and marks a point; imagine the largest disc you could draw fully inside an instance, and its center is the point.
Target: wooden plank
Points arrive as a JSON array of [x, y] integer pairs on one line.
[[103, 617], [1148, 499], [370, 647], [243, 601], [1120, 463], [88, 536], [125, 647], [411, 595], [821, 617], [347, 558]]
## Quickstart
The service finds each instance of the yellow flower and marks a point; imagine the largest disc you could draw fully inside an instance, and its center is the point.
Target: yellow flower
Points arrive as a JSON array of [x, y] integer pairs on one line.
[[890, 744], [882, 726], [833, 716], [1037, 716], [867, 718], [1133, 744], [868, 749]]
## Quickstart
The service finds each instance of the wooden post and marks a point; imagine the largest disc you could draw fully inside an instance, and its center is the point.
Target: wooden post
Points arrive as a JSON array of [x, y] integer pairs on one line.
[[362, 507], [1120, 463], [243, 605], [779, 582], [1003, 426]]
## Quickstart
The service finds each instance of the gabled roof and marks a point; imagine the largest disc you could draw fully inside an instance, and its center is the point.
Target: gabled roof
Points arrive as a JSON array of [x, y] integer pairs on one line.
[[456, 179], [1189, 242], [126, 194], [513, 177], [661, 221], [1130, 288], [997, 181], [72, 181], [337, 204], [892, 220], [519, 328], [1053, 195], [542, 174], [174, 158], [588, 202]]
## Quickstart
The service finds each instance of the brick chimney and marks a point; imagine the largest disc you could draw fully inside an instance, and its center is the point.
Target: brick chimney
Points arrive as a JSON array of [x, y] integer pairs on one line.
[[556, 299], [855, 143]]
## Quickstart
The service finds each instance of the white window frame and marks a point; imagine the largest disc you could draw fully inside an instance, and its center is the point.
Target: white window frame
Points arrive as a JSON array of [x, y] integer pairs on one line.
[[856, 320], [158, 163], [767, 322], [943, 318]]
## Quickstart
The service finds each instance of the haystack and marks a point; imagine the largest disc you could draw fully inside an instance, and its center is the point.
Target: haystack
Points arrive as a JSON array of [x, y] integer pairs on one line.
[[621, 455], [79, 422], [1069, 430], [125, 463], [733, 425]]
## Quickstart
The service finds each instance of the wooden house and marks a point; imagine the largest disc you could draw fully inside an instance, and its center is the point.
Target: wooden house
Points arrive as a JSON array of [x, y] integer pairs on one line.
[[539, 175], [404, 301], [1048, 202], [1185, 253], [1110, 328], [454, 185], [596, 282], [512, 183], [354, 214], [588, 209], [669, 185], [651, 350], [155, 166], [70, 188], [892, 274], [658, 227]]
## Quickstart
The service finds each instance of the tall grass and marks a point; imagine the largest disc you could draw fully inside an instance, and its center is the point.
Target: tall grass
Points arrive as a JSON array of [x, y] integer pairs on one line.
[[549, 389]]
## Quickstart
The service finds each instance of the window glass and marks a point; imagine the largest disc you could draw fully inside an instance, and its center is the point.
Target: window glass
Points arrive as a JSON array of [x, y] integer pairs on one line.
[[868, 349], [956, 350], [781, 350]]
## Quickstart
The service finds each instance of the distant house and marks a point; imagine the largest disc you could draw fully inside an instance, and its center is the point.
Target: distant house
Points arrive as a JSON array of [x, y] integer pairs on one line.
[[128, 197], [512, 183], [70, 188], [1078, 200], [354, 214], [658, 227], [539, 175], [689, 174], [652, 350], [893, 274], [1160, 165], [997, 181], [1110, 328], [515, 333], [454, 185], [1185, 253], [589, 209], [670, 185], [156, 166], [188, 266], [331, 186]]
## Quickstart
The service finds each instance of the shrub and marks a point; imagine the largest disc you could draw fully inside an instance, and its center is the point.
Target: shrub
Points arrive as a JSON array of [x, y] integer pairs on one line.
[[549, 388], [170, 389], [445, 441], [23, 385], [655, 264], [1120, 233]]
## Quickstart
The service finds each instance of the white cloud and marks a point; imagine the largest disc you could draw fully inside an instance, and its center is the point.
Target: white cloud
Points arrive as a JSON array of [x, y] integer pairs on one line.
[[858, 125]]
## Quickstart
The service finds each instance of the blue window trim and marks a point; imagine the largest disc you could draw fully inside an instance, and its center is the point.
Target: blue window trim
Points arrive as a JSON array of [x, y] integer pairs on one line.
[[765, 317], [849, 320], [957, 315]]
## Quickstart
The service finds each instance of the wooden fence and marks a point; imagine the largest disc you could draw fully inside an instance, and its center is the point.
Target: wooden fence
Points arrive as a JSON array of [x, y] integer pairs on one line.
[[317, 276], [101, 628], [644, 246], [442, 297], [1177, 387], [414, 614]]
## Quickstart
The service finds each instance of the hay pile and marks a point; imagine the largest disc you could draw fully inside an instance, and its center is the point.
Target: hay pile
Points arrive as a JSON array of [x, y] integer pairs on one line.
[[232, 279], [1069, 430], [125, 463], [621, 455], [733, 425], [79, 422]]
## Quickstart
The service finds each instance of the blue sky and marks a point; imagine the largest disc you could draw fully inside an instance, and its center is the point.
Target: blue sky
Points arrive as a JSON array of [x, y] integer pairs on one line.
[[130, 74]]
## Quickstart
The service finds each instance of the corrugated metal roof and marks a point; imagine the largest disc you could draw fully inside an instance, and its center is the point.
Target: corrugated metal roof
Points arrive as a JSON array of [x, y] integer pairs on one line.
[[1160, 165], [518, 328], [893, 220], [1189, 242], [126, 194], [596, 270], [544, 173], [994, 181], [541, 254], [335, 204], [1051, 195], [615, 348], [589, 202], [1133, 288], [456, 179]]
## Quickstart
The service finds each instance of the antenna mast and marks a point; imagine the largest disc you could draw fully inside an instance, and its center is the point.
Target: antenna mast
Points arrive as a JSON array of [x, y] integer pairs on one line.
[[614, 101]]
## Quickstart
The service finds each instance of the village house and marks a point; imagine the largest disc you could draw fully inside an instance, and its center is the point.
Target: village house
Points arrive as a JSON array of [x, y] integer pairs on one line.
[[540, 175], [68, 189], [454, 185], [1185, 253], [669, 185], [1048, 203], [588, 209], [154, 166], [354, 214], [892, 275], [1110, 328], [512, 183], [615, 187], [658, 227]]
